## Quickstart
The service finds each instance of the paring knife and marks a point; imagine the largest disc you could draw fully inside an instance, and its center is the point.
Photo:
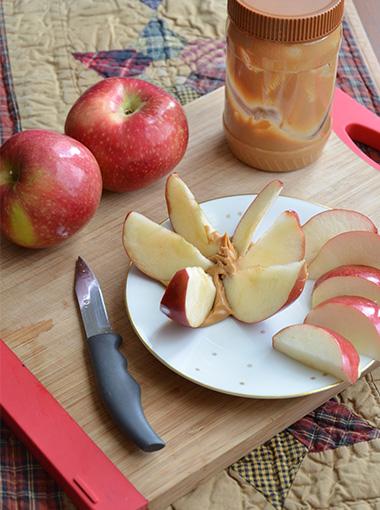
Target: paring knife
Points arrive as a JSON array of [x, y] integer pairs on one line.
[[119, 390]]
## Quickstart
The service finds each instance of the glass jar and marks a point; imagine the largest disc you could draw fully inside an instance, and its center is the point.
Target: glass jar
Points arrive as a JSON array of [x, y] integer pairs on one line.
[[280, 77]]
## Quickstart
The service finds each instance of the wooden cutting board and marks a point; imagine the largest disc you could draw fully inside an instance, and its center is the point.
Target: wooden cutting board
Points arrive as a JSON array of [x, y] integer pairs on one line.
[[205, 431]]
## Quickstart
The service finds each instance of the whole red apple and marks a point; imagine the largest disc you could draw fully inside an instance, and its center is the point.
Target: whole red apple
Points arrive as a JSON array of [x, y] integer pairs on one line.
[[50, 186], [137, 131]]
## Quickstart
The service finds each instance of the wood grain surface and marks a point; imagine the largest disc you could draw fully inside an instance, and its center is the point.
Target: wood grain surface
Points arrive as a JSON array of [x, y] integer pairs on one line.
[[205, 431]]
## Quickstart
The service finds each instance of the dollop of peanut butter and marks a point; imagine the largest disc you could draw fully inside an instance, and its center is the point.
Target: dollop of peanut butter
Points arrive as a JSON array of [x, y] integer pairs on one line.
[[225, 260], [211, 234], [225, 265]]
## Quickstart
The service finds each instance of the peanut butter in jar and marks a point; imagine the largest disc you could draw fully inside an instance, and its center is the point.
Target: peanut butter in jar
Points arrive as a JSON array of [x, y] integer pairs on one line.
[[280, 77]]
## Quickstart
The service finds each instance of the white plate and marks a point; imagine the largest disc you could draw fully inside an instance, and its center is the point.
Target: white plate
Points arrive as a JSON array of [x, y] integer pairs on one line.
[[230, 357]]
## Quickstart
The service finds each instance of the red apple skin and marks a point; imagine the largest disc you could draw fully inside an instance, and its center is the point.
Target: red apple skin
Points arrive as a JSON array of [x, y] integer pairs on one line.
[[173, 302], [50, 187], [350, 356], [298, 287], [370, 222], [294, 214], [134, 149], [368, 273], [365, 306]]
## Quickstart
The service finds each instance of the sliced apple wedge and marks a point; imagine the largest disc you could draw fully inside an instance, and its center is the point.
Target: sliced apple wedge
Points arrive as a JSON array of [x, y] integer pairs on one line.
[[319, 348], [189, 297], [282, 243], [157, 251], [253, 215], [257, 293], [348, 281], [349, 248], [355, 318], [327, 224], [188, 219]]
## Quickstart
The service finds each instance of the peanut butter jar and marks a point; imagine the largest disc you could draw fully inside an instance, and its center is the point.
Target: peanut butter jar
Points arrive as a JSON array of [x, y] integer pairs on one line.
[[280, 76]]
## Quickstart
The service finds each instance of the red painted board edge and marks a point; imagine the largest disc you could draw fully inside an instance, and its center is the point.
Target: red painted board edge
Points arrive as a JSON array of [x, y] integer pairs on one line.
[[353, 121], [84, 472]]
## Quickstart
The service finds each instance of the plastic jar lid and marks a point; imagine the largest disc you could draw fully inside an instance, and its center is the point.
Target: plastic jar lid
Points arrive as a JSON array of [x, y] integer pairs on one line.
[[288, 21]]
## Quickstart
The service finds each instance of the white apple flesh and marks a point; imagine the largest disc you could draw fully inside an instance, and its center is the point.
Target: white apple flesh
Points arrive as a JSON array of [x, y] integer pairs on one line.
[[157, 251], [253, 215], [189, 297], [348, 281], [257, 293], [188, 219], [327, 224], [282, 243], [349, 248], [355, 318], [319, 348]]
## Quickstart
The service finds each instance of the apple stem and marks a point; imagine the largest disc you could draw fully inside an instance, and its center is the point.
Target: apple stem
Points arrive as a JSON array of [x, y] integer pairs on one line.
[[132, 104], [8, 176]]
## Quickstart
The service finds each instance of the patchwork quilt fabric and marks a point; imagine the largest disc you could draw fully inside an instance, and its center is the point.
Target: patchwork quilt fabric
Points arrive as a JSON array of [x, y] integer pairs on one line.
[[51, 51], [272, 469]]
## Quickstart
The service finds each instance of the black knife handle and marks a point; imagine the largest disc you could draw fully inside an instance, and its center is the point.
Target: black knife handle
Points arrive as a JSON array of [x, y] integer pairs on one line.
[[120, 392]]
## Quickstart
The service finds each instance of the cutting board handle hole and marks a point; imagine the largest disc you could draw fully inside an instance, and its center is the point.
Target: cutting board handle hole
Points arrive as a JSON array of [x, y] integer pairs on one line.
[[86, 490], [364, 135]]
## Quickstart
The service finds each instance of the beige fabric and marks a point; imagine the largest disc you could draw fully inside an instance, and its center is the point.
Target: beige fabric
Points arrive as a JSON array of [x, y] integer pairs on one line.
[[342, 479], [166, 73], [364, 399], [223, 492], [195, 18], [43, 34]]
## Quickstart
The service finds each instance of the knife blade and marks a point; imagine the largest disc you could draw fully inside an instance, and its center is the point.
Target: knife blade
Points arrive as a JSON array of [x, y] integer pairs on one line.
[[120, 392]]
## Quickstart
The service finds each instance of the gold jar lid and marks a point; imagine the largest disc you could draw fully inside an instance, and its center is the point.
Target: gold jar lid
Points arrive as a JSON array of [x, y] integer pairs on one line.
[[288, 21]]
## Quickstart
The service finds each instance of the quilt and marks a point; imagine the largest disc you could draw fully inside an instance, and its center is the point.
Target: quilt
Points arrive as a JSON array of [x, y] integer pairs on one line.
[[51, 51]]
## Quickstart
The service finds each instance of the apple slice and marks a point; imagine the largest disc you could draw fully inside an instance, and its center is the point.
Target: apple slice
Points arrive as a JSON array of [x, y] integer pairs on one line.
[[282, 243], [349, 248], [157, 251], [327, 224], [355, 318], [188, 219], [319, 348], [256, 293], [348, 281], [189, 297], [253, 215]]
